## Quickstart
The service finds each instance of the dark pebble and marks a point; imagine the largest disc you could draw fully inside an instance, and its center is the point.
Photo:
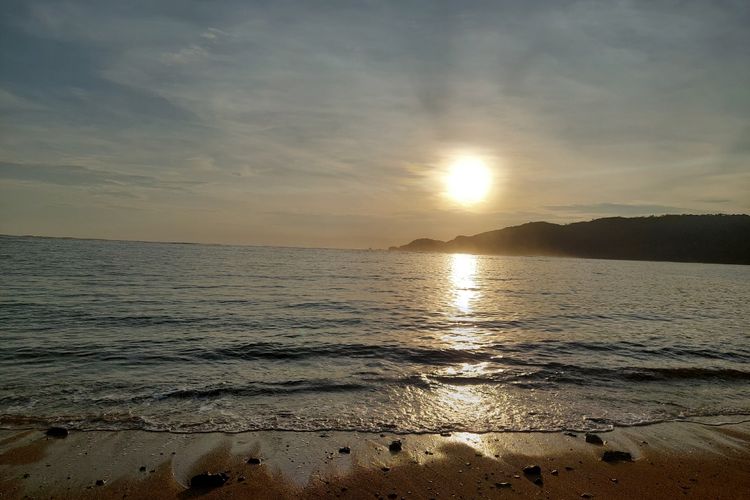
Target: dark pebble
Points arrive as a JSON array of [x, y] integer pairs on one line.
[[253, 461], [593, 439], [385, 469], [100, 482], [208, 480], [26, 476], [617, 456], [57, 432], [395, 445], [345, 450], [571, 434], [587, 495], [554, 472], [531, 470], [143, 468]]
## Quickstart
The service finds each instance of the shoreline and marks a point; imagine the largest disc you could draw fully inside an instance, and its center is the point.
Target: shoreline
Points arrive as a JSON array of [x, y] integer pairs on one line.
[[670, 460], [36, 424]]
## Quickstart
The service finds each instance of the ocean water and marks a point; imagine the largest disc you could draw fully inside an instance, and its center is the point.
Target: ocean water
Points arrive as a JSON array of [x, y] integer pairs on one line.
[[190, 338]]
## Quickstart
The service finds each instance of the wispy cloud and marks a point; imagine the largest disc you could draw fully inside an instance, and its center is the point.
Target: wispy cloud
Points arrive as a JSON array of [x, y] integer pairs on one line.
[[621, 209]]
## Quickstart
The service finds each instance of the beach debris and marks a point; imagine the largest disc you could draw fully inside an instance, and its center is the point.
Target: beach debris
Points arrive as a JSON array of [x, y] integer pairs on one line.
[[208, 480], [502, 485], [554, 472], [395, 446], [617, 456], [532, 470], [345, 450], [593, 438], [100, 482], [254, 461], [57, 432]]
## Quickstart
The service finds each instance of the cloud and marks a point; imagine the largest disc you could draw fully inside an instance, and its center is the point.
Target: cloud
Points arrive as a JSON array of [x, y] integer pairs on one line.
[[621, 209], [74, 175]]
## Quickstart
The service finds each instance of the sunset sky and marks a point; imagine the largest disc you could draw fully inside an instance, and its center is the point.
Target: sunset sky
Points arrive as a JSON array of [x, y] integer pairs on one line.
[[335, 124]]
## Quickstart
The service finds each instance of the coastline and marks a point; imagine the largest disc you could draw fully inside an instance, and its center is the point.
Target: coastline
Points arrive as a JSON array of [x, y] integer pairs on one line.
[[670, 460]]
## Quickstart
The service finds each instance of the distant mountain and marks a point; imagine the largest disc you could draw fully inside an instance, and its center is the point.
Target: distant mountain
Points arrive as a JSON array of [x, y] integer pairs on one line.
[[681, 238]]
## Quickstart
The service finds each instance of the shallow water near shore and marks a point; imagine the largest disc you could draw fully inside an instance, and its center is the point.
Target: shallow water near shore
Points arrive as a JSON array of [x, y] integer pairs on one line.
[[202, 338]]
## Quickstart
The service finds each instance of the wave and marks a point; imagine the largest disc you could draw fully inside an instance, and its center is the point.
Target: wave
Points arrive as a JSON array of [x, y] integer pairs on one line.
[[534, 356], [126, 421]]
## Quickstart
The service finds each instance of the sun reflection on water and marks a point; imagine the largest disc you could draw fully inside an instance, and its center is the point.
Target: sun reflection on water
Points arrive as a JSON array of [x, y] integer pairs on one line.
[[461, 391], [463, 269], [463, 293]]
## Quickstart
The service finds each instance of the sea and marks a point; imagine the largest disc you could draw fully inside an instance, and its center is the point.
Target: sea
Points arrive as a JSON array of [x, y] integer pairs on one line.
[[199, 338]]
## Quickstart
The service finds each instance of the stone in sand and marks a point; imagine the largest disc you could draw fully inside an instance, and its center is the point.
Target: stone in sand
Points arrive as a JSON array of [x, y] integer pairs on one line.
[[587, 495], [208, 480], [593, 438], [395, 445], [100, 482], [57, 432], [617, 456], [143, 468], [345, 450], [253, 461], [532, 470], [502, 485], [554, 472]]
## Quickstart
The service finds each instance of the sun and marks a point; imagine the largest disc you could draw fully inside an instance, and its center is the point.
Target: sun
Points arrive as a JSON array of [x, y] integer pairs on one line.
[[468, 180]]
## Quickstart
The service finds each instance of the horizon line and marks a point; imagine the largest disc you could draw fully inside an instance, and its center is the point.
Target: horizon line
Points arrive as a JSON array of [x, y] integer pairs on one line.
[[334, 248]]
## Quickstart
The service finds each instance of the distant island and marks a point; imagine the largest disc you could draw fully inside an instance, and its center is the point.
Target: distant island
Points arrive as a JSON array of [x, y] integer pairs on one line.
[[721, 239]]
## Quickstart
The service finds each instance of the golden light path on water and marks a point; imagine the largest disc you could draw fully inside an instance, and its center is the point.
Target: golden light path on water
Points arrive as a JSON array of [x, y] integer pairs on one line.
[[464, 292]]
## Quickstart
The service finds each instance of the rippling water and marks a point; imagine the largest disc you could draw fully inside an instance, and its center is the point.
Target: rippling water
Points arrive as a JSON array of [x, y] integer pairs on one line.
[[99, 334]]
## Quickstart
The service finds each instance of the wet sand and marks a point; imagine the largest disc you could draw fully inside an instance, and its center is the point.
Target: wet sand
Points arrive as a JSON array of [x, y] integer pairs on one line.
[[670, 460]]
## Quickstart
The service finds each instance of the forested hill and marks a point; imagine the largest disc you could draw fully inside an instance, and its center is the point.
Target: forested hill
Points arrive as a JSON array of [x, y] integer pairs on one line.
[[683, 238]]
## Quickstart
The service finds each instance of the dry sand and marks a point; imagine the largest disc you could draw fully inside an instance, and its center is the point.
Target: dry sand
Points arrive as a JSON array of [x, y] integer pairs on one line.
[[671, 460]]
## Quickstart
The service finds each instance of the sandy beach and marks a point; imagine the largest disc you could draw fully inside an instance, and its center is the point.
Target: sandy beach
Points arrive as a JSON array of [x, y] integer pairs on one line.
[[670, 460]]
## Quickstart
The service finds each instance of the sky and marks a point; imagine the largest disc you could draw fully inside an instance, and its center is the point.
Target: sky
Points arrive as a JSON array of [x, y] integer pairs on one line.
[[332, 124]]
